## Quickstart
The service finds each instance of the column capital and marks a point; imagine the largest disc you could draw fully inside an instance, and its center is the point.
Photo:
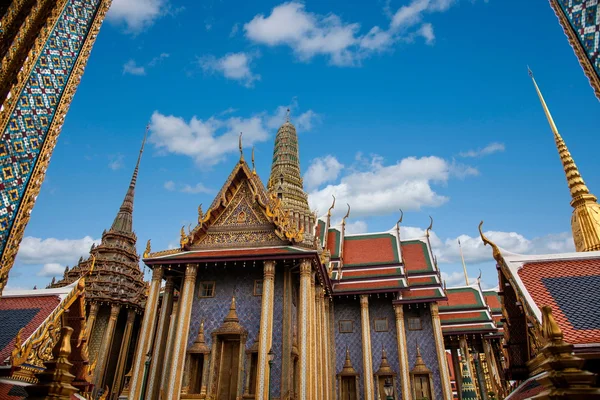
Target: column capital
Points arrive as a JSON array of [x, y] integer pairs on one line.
[[94, 308], [114, 310], [435, 311], [130, 316], [269, 269], [305, 267], [169, 283], [399, 310], [364, 300], [157, 273], [191, 271]]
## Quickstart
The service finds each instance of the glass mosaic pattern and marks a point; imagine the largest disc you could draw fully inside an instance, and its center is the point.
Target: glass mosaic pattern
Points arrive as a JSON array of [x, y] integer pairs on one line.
[[24, 135], [584, 17]]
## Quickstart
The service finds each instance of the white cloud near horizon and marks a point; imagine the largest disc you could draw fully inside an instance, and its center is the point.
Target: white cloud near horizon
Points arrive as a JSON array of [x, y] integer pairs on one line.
[[131, 68], [136, 15], [373, 188], [233, 66], [309, 34], [187, 188], [209, 141], [322, 170], [494, 147]]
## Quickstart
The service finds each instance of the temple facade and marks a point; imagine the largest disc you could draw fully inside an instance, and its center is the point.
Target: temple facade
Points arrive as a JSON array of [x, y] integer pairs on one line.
[[274, 302], [44, 47]]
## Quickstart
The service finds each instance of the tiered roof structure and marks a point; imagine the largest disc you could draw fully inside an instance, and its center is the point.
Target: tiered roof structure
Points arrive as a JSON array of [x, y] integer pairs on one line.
[[116, 277]]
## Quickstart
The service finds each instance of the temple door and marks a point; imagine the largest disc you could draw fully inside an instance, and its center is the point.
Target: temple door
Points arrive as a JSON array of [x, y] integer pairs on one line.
[[228, 371], [349, 388], [422, 389]]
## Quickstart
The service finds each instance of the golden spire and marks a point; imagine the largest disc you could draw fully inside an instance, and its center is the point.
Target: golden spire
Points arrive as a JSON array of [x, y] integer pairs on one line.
[[253, 166], [462, 257], [585, 221], [241, 149]]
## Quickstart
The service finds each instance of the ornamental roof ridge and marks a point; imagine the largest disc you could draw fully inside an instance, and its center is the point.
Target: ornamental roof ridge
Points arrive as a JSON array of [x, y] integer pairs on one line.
[[61, 291]]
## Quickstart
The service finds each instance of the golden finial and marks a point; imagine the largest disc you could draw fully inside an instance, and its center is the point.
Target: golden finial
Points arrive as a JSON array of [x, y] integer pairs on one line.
[[575, 181], [287, 115], [147, 251], [399, 221], [429, 227], [200, 214], [462, 257], [184, 238], [550, 329], [240, 146], [253, 166], [496, 251], [331, 208], [346, 216]]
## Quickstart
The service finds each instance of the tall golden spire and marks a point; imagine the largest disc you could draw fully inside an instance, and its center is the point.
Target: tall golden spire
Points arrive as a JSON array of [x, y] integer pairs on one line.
[[462, 257], [585, 221]]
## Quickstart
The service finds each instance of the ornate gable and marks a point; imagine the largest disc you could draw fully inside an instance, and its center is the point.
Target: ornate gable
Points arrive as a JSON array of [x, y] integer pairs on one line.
[[242, 215]]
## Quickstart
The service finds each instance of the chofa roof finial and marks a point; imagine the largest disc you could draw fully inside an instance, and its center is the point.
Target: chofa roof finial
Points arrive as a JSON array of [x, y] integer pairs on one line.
[[496, 251], [332, 207], [346, 216], [429, 227]]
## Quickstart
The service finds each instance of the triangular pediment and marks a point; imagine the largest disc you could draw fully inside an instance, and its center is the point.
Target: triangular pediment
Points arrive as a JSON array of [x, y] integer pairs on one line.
[[242, 215]]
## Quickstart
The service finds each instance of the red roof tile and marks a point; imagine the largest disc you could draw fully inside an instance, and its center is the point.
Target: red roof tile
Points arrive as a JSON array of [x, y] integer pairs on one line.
[[369, 285], [461, 299], [569, 287], [370, 250], [422, 280], [421, 294], [464, 317], [38, 307], [493, 300], [333, 242], [416, 257], [371, 273]]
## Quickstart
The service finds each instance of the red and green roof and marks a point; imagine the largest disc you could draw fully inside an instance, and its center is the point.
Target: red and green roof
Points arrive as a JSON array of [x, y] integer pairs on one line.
[[371, 250], [334, 242], [371, 273], [465, 310], [370, 285], [462, 298], [212, 255], [416, 257]]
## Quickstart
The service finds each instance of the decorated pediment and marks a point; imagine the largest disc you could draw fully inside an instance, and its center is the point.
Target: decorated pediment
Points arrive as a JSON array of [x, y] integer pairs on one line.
[[242, 215]]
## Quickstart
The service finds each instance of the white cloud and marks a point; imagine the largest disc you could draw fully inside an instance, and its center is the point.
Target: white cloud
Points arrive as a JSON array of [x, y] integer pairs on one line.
[[234, 30], [356, 227], [372, 188], [322, 170], [116, 161], [309, 34], [132, 68], [51, 269], [53, 251], [491, 148], [158, 59], [234, 66], [302, 122], [186, 188], [170, 185], [209, 141], [456, 278], [136, 15]]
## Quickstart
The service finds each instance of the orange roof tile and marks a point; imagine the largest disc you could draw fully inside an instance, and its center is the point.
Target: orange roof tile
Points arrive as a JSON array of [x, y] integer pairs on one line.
[[461, 299], [371, 272], [416, 257], [370, 250]]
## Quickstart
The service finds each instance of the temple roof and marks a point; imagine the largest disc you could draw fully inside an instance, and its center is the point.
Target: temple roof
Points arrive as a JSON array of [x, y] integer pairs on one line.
[[229, 254], [466, 310], [568, 282]]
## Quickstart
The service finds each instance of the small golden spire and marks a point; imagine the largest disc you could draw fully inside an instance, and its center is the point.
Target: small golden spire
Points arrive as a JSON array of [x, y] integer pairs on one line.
[[232, 315], [462, 257], [147, 251], [495, 250], [399, 221], [200, 214], [346, 216], [576, 184], [287, 115], [331, 208], [241, 149], [253, 166]]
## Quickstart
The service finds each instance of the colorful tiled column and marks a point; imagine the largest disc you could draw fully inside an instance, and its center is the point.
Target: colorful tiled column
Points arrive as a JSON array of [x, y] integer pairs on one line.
[[366, 345], [181, 332], [91, 319], [326, 345], [320, 360], [492, 366], [158, 353], [313, 337], [104, 352], [441, 352], [402, 353], [457, 371], [124, 352], [303, 316], [266, 331], [146, 335]]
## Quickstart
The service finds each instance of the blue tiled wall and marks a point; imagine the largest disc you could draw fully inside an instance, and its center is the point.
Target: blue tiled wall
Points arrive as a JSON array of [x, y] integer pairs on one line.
[[348, 309], [382, 308]]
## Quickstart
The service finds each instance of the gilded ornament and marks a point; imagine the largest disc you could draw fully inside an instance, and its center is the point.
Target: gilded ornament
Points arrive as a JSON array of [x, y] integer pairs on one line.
[[346, 216], [184, 238], [331, 208], [496, 251], [430, 227], [200, 215], [147, 251], [286, 228]]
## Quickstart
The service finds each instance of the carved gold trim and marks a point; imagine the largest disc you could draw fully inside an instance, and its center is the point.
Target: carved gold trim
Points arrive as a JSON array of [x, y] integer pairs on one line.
[[39, 171]]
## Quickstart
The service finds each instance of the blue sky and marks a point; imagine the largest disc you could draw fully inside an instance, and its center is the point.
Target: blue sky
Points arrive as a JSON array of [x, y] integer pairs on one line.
[[420, 104]]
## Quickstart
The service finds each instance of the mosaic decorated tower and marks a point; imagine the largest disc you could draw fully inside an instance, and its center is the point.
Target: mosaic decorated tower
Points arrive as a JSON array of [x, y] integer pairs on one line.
[[115, 295], [44, 47], [585, 221], [580, 20], [285, 180]]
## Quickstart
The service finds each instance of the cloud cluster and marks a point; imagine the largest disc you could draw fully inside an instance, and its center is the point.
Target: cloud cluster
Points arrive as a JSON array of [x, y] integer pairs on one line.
[[132, 68], [210, 140], [136, 15], [373, 188], [234, 66], [491, 148], [187, 188], [309, 34], [53, 254]]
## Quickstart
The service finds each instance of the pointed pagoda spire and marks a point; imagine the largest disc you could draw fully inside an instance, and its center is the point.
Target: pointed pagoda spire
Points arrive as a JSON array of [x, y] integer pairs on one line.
[[585, 222], [285, 179], [124, 220], [468, 391]]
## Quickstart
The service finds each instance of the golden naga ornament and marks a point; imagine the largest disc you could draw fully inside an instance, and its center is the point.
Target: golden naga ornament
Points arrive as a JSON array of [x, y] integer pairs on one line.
[[147, 251], [286, 227], [184, 238]]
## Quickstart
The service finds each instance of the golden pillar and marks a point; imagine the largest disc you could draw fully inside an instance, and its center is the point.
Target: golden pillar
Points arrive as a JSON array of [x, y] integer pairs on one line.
[[124, 352], [166, 367], [146, 334], [91, 319], [319, 338], [313, 340], [441, 352], [457, 371], [105, 347], [265, 331], [303, 316], [402, 353], [365, 327], [330, 349], [325, 345], [490, 359], [158, 352], [181, 332]]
